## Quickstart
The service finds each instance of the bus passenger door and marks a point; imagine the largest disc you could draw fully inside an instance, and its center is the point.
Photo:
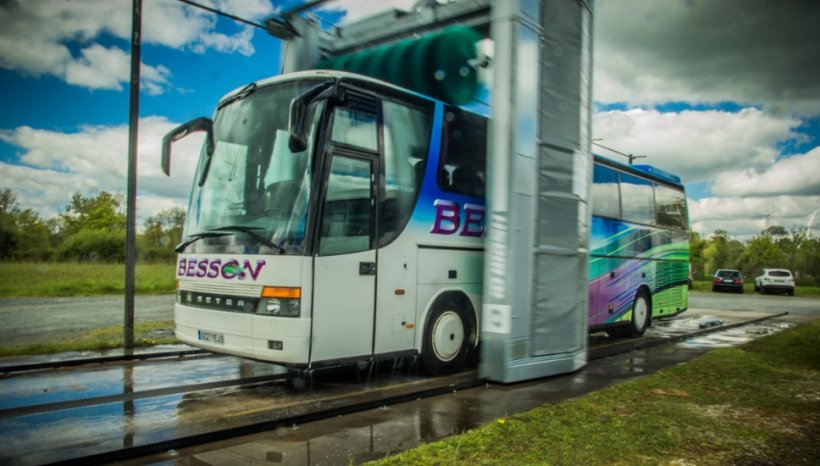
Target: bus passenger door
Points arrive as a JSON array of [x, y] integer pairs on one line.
[[344, 283]]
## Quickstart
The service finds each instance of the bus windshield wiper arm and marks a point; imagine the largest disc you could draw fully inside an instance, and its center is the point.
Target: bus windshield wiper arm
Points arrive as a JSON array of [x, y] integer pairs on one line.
[[246, 91], [250, 231], [196, 237]]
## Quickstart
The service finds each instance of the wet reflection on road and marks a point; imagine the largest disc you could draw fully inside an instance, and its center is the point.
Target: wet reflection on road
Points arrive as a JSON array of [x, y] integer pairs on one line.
[[373, 434]]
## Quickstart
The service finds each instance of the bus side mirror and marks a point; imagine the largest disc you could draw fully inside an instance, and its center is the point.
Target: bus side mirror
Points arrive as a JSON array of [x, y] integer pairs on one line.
[[298, 122], [193, 126]]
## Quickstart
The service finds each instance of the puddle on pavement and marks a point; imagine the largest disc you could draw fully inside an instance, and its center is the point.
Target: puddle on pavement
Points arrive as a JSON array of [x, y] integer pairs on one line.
[[735, 336], [88, 430], [43, 387]]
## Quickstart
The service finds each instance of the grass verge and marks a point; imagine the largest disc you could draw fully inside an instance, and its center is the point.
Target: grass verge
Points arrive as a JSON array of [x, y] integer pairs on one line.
[[755, 404], [81, 279], [145, 334]]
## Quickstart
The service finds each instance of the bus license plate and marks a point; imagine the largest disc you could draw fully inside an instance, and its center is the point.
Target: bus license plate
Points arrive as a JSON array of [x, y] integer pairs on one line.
[[211, 337]]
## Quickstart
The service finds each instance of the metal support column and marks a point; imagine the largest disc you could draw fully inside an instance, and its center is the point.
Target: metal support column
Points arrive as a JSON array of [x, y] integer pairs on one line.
[[534, 318], [301, 52]]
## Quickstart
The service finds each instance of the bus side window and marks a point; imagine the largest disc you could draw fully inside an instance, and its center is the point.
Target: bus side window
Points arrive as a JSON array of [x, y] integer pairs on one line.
[[606, 197], [355, 129], [406, 143], [463, 153], [346, 217], [637, 200]]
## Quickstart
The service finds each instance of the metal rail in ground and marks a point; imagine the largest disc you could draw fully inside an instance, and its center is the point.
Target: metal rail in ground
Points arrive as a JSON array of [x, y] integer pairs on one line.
[[124, 397], [254, 428], [98, 360]]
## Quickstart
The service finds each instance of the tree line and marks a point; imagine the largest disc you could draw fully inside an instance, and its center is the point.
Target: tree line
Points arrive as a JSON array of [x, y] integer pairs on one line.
[[90, 229], [93, 229], [774, 247]]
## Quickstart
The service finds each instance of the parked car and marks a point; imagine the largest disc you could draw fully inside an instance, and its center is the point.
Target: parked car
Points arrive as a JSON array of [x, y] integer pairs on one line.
[[728, 279], [775, 280]]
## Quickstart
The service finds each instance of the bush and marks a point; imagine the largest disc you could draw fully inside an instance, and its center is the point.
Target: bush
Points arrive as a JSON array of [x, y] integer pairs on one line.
[[93, 246], [158, 255]]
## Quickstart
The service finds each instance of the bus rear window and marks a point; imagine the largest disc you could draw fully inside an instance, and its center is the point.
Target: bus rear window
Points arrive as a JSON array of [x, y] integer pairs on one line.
[[670, 207]]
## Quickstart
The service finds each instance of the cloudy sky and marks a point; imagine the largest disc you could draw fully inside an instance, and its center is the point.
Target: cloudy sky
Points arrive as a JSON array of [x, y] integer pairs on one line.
[[724, 93]]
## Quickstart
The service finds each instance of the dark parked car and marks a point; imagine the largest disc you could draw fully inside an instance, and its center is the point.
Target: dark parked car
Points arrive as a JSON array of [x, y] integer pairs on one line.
[[728, 279]]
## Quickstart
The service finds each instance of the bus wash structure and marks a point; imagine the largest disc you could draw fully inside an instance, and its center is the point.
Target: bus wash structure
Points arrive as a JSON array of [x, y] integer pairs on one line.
[[336, 218]]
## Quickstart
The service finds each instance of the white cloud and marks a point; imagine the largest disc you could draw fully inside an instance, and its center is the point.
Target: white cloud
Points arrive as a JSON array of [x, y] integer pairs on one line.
[[55, 165], [109, 68], [745, 217], [35, 36], [238, 43], [752, 52], [796, 175], [696, 145]]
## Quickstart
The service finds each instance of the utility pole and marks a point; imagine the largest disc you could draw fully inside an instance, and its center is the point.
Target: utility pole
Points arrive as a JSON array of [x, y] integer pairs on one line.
[[629, 157], [131, 200]]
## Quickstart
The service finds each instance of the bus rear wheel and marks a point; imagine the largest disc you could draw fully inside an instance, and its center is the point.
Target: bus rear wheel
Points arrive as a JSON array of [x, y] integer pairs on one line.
[[641, 310], [445, 340]]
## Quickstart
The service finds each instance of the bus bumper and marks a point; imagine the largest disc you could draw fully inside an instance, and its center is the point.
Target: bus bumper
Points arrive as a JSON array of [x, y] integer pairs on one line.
[[282, 340]]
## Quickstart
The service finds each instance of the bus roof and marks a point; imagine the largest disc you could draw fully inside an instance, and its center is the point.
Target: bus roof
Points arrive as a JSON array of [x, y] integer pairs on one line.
[[329, 74], [643, 170]]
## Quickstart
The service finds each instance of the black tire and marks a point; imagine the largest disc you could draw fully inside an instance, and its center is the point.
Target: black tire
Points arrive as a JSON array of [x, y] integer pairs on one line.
[[446, 339], [641, 314], [762, 290]]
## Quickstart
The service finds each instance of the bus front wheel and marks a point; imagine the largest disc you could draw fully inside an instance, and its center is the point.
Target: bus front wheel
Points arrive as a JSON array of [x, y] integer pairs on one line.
[[641, 310], [445, 340]]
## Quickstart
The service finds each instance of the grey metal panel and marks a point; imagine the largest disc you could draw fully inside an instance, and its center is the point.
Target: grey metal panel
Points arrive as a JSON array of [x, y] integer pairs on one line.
[[535, 303]]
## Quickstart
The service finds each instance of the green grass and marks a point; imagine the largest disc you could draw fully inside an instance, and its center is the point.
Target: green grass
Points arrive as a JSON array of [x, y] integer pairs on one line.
[[81, 279], [749, 287], [145, 334], [756, 404]]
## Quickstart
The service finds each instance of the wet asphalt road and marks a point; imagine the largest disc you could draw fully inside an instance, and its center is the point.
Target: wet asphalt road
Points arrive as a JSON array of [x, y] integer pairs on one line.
[[339, 440], [35, 320]]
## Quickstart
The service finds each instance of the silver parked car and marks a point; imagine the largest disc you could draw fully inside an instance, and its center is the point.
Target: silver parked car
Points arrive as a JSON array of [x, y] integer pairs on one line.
[[775, 280]]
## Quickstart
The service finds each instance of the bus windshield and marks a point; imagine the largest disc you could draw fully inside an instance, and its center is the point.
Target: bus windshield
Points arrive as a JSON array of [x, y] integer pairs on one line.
[[255, 191]]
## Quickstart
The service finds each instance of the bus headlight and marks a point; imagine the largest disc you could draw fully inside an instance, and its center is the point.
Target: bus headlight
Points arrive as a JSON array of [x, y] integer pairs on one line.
[[273, 306], [280, 302], [278, 307]]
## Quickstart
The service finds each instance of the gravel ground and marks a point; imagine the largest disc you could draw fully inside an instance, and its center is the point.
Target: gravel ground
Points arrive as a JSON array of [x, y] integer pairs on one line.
[[40, 320]]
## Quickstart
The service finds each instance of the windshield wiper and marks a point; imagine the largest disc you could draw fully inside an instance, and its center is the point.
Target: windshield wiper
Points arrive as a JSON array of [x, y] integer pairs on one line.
[[250, 231], [196, 237], [246, 91]]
